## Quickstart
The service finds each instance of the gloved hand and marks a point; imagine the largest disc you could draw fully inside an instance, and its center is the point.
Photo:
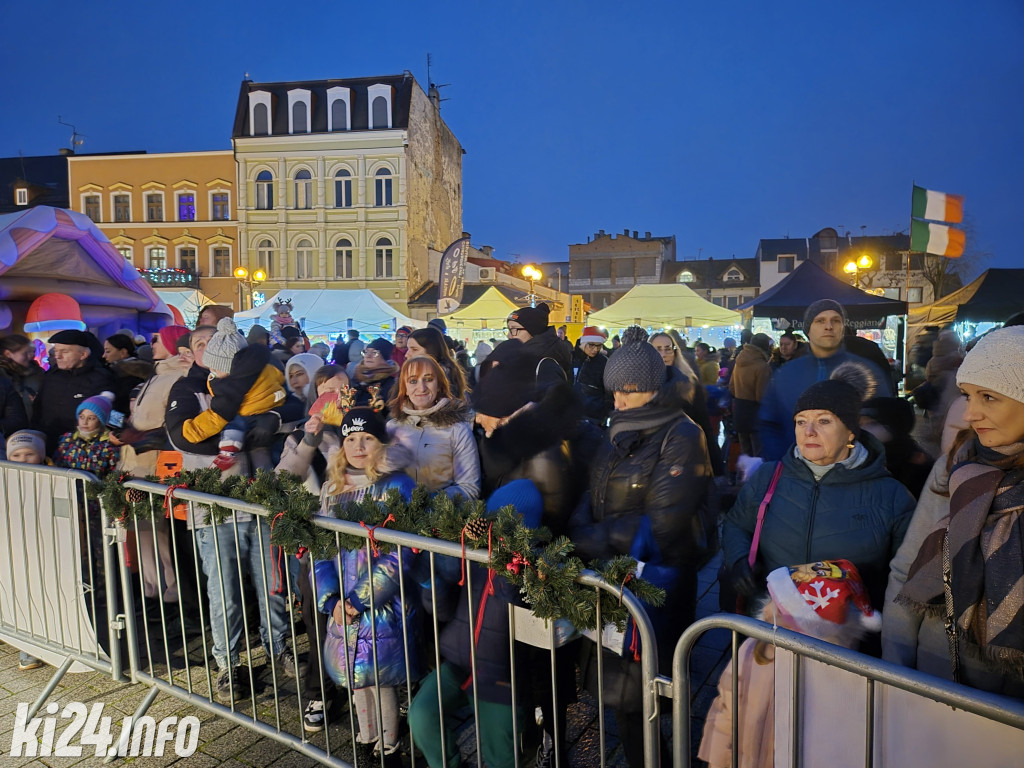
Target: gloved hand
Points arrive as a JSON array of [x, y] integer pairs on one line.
[[263, 431], [743, 579]]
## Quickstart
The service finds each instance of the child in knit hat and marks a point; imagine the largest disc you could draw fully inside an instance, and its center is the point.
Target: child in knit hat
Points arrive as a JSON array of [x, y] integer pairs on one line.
[[89, 448], [27, 446], [826, 600], [243, 383]]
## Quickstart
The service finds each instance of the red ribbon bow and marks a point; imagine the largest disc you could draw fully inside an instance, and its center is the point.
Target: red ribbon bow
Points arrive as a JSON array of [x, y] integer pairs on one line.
[[370, 529]]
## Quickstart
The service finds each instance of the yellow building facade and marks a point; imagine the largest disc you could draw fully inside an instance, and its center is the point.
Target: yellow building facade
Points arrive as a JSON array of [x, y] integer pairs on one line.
[[171, 215]]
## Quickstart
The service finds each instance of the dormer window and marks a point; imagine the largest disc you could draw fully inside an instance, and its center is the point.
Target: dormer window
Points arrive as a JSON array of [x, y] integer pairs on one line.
[[299, 108], [686, 276], [379, 106], [259, 113], [21, 196], [339, 115], [733, 276]]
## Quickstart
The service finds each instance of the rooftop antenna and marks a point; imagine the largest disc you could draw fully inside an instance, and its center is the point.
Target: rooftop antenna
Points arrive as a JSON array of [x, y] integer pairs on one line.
[[434, 89], [76, 138]]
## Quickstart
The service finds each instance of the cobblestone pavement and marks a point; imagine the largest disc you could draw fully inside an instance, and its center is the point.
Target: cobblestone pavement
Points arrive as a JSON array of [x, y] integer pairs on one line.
[[224, 743]]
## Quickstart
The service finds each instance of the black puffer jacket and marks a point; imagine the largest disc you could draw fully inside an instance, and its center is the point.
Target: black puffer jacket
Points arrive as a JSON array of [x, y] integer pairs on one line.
[[653, 465], [188, 398], [536, 445], [597, 402], [12, 410], [62, 392]]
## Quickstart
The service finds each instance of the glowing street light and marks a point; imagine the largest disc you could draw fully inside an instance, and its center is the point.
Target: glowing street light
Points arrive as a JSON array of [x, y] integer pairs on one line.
[[249, 281], [532, 274], [853, 268]]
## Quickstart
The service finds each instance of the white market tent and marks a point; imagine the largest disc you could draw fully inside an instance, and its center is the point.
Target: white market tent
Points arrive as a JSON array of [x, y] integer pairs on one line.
[[330, 312], [661, 305], [188, 301]]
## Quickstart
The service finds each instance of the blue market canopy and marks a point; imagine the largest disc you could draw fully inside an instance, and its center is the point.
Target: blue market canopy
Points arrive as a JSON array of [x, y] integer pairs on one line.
[[786, 302], [53, 250]]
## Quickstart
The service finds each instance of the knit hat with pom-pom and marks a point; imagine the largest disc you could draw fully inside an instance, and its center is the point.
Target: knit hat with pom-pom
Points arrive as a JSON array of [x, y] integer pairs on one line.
[[223, 346], [636, 366], [100, 405], [843, 394]]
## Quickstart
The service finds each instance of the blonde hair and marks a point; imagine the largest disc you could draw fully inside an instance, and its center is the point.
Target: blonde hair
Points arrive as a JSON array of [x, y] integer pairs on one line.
[[417, 365], [338, 464]]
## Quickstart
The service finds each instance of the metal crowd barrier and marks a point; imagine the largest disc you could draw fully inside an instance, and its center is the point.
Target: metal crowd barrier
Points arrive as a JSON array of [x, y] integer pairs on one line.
[[170, 647], [58, 596], [874, 712]]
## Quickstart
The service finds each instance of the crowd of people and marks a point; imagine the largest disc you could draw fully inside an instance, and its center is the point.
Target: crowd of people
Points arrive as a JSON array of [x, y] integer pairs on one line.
[[616, 446]]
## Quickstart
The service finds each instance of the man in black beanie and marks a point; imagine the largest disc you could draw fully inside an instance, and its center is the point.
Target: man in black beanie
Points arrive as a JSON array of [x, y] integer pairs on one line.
[[541, 344], [824, 323]]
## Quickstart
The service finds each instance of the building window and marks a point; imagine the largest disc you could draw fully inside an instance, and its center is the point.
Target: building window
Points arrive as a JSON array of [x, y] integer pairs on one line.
[[187, 259], [122, 208], [914, 296], [303, 189], [686, 276], [186, 206], [894, 261], [221, 206], [21, 196], [264, 191], [380, 112], [343, 259], [158, 258], [601, 269], [579, 270], [646, 266], [343, 189], [383, 188], [732, 302], [786, 264], [265, 257], [304, 260], [126, 251], [718, 301], [221, 262], [260, 120], [385, 260], [299, 121], [92, 207], [339, 115], [733, 276], [891, 293], [154, 207], [379, 101]]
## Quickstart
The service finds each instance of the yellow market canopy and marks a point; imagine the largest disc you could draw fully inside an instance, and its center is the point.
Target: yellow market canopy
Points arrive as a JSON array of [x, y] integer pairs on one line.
[[661, 305], [487, 312]]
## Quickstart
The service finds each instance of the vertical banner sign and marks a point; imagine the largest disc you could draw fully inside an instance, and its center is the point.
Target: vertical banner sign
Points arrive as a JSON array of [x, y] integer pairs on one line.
[[453, 276], [577, 308]]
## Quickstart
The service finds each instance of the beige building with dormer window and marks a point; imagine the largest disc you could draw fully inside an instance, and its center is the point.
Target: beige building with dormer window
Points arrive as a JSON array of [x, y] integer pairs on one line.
[[345, 184]]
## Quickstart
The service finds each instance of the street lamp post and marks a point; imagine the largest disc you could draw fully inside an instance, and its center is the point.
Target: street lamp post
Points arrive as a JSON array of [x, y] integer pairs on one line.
[[854, 268], [532, 274], [249, 281]]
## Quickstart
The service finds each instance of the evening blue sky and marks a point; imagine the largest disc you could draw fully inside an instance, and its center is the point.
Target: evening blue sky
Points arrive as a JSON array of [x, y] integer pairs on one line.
[[718, 122]]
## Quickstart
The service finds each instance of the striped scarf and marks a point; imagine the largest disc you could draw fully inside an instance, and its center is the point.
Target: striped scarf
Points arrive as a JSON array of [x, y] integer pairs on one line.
[[986, 555]]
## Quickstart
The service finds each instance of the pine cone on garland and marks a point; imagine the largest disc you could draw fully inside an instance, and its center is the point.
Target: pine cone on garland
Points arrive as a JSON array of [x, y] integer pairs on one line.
[[476, 528], [134, 495]]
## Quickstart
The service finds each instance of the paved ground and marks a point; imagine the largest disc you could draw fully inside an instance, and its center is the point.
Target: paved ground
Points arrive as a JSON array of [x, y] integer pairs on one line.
[[221, 742]]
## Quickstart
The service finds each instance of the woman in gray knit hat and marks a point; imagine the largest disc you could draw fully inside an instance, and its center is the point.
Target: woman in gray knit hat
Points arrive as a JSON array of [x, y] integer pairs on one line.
[[649, 497]]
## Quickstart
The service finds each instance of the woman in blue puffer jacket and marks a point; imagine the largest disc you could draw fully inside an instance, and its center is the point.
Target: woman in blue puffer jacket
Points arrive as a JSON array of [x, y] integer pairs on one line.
[[833, 497], [363, 597]]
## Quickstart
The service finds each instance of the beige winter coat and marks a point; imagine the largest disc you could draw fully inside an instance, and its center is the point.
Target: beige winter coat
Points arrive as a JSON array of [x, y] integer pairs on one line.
[[148, 413]]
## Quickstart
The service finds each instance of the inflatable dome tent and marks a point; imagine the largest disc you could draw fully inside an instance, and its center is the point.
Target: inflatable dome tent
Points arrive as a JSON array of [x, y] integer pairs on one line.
[[51, 251]]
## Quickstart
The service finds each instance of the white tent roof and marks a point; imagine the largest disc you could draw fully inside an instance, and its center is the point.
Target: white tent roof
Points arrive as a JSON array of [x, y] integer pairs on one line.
[[327, 312], [188, 301], [660, 305]]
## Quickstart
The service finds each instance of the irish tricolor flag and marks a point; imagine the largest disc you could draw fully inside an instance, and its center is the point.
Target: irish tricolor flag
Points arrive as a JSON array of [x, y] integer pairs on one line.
[[937, 206], [936, 239]]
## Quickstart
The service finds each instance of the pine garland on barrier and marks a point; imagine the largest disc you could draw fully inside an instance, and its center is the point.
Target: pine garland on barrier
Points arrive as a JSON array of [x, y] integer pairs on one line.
[[542, 568]]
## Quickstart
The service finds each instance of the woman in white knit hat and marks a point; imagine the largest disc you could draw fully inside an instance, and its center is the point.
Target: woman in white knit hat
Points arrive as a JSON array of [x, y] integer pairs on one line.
[[954, 588]]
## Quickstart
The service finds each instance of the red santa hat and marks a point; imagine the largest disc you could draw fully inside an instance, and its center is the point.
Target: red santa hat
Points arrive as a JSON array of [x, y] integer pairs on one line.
[[826, 599], [594, 335]]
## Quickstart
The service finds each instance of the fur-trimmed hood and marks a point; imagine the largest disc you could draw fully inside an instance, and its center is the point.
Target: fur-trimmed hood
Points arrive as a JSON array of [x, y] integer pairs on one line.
[[452, 412]]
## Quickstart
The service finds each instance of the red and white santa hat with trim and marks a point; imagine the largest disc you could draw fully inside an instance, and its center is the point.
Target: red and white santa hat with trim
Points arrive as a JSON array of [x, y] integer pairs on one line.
[[594, 335], [823, 597]]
